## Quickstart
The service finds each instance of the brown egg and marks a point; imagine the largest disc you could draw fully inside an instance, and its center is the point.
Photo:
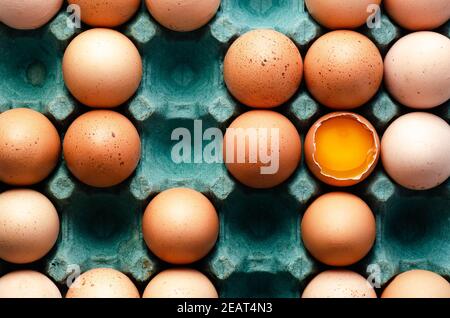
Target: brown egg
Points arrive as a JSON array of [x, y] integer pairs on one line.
[[338, 229], [102, 283], [341, 14], [263, 69], [101, 13], [262, 149], [339, 283], [417, 284], [343, 69], [418, 14], [180, 226], [29, 147], [28, 14], [102, 68], [29, 226], [342, 149], [102, 148], [183, 15], [180, 283], [27, 284]]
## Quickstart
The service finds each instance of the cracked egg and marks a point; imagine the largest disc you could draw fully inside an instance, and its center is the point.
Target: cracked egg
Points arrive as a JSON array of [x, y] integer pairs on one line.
[[342, 149]]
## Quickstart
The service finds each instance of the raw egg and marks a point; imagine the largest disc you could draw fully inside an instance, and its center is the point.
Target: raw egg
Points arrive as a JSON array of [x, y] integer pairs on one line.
[[29, 226], [415, 151], [27, 284], [262, 148], [102, 283], [183, 15], [342, 149], [341, 14], [101, 13], [343, 69], [338, 229], [417, 284], [180, 226], [29, 147], [418, 14], [28, 14], [339, 283], [263, 69], [417, 69], [102, 68], [102, 148], [180, 283]]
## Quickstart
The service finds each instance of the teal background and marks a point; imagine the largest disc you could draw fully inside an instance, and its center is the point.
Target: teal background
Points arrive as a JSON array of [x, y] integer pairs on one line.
[[259, 252]]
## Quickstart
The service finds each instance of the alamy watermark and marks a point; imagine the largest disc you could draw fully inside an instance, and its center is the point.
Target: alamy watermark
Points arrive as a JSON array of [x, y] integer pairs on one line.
[[242, 145], [374, 278], [73, 271], [74, 19], [373, 20]]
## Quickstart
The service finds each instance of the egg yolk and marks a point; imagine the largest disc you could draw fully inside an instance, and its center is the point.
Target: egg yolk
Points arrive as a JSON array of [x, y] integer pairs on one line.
[[345, 147]]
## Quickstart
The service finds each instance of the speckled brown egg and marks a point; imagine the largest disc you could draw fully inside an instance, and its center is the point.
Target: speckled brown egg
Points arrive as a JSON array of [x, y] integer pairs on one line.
[[29, 226], [27, 284], [183, 15], [342, 149], [106, 13], [338, 229], [103, 283], [417, 284], [102, 148], [339, 283], [262, 149], [343, 69], [180, 283], [29, 147], [102, 68], [341, 14], [263, 68], [418, 14], [180, 226]]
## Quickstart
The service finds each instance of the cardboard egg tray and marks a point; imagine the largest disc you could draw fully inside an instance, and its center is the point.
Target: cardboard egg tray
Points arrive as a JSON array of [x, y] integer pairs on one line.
[[259, 252]]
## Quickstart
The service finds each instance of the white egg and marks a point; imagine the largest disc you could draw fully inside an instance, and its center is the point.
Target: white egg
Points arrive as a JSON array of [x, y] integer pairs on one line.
[[415, 151]]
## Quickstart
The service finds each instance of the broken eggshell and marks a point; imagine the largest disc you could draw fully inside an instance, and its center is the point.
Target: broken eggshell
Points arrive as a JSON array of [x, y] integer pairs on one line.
[[327, 176]]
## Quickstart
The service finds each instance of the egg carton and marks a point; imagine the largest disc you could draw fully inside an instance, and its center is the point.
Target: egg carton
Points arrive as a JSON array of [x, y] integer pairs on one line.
[[259, 252]]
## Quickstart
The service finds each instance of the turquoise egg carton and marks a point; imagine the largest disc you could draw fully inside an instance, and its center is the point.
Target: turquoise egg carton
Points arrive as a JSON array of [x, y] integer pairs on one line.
[[259, 252]]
